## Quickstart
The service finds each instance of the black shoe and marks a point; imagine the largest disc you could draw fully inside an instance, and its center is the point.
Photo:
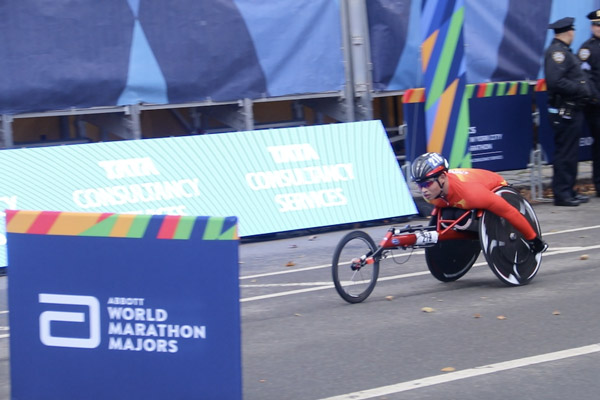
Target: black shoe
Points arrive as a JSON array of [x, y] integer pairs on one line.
[[582, 198], [537, 245], [567, 203]]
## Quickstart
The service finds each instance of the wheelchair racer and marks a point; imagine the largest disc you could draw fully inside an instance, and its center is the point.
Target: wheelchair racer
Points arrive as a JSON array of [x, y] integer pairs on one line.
[[469, 188]]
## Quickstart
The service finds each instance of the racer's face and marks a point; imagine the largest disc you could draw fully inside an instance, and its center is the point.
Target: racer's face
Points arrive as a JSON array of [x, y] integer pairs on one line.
[[432, 188]]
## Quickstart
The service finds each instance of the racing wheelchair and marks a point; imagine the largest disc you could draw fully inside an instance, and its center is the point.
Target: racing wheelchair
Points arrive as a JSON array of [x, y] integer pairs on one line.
[[452, 242]]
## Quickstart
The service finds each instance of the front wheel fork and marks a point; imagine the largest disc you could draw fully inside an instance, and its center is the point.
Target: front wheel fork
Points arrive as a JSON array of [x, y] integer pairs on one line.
[[369, 258]]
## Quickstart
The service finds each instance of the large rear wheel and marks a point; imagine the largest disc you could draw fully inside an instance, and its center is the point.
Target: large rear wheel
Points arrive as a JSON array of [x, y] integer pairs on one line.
[[354, 280], [504, 247], [451, 259]]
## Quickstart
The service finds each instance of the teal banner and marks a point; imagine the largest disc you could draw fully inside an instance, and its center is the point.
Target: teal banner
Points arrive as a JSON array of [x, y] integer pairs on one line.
[[272, 180]]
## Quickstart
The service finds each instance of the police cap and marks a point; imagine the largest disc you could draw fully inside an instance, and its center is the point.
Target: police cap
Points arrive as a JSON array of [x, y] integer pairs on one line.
[[594, 16], [563, 25]]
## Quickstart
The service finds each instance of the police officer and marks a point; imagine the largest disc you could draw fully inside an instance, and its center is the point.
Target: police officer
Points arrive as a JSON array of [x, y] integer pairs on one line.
[[589, 54], [568, 92]]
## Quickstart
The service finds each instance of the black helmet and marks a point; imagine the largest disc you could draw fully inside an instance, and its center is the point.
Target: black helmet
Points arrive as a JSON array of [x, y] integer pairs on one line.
[[428, 165]]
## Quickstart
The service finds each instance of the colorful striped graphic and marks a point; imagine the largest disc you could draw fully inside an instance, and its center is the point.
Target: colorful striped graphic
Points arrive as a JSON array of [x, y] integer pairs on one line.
[[414, 96], [214, 230], [491, 89], [488, 89], [540, 85], [443, 64], [116, 225]]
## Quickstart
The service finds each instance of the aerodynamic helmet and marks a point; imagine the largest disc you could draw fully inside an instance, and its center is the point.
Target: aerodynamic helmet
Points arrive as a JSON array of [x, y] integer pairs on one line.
[[428, 165]]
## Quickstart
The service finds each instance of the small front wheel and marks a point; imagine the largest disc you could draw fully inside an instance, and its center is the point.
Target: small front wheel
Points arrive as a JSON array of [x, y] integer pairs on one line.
[[354, 281]]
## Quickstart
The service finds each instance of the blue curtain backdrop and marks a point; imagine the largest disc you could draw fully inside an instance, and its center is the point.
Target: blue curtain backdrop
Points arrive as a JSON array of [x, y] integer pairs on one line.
[[65, 54], [78, 54]]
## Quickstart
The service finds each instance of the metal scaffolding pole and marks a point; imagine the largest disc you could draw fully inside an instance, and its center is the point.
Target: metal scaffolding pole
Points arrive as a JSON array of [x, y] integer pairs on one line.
[[6, 134]]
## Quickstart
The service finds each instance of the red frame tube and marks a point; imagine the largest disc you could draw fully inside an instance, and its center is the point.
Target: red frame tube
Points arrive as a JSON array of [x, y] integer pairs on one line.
[[391, 241]]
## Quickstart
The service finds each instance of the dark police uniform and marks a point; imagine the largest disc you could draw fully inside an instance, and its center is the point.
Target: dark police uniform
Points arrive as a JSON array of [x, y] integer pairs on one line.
[[568, 92], [589, 54]]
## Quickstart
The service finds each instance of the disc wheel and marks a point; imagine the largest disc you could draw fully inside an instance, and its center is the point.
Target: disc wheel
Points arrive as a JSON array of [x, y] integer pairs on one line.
[[451, 259], [354, 282], [504, 247]]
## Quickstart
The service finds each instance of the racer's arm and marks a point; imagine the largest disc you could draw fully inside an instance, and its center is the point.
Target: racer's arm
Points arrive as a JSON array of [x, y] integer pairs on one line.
[[483, 198]]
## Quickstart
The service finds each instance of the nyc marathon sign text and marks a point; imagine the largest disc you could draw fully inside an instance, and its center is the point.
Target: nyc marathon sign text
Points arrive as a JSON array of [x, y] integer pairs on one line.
[[272, 180]]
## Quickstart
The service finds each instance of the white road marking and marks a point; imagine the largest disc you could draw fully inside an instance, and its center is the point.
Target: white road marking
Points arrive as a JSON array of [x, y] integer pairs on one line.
[[269, 296], [583, 228], [468, 373], [264, 285], [320, 266], [405, 254], [289, 271], [565, 250], [562, 250], [574, 248]]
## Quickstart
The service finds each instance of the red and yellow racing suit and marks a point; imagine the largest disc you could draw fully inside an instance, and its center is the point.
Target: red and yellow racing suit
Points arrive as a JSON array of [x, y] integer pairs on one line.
[[470, 188]]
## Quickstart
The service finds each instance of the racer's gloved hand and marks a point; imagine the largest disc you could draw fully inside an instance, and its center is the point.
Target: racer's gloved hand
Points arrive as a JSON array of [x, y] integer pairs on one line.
[[537, 245]]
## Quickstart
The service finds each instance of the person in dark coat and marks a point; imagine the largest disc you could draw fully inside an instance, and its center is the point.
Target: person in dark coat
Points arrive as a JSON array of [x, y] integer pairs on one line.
[[568, 92], [589, 54]]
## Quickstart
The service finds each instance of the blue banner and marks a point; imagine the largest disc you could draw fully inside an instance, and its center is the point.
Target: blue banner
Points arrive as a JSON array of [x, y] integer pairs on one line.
[[500, 134], [123, 307], [546, 134], [500, 130], [273, 180]]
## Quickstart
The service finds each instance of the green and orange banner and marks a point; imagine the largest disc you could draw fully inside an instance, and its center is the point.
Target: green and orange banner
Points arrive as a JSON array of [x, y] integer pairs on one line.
[[444, 72]]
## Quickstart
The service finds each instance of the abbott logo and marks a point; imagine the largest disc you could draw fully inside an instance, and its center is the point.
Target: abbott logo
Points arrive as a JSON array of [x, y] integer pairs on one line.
[[47, 317]]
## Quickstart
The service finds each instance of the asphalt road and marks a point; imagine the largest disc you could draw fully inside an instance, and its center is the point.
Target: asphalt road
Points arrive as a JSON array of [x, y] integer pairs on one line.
[[300, 340]]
